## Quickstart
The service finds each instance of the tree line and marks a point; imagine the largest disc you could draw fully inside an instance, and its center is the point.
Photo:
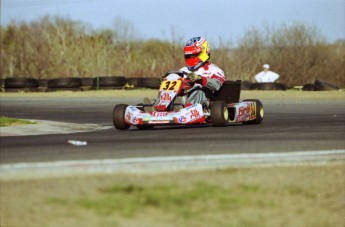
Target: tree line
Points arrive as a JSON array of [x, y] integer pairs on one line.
[[55, 47]]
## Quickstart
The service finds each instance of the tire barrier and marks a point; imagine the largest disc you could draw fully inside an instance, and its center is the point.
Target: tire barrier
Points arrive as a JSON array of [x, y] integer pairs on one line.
[[133, 81], [69, 83], [112, 82], [322, 85], [43, 83], [28, 84], [21, 82], [150, 82], [268, 86], [15, 84], [144, 82], [2, 84], [246, 85], [87, 82], [308, 87]]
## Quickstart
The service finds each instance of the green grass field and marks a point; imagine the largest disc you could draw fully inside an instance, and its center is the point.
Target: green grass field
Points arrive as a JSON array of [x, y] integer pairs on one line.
[[310, 195]]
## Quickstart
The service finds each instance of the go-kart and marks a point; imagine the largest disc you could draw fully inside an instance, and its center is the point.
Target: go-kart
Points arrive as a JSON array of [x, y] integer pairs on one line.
[[171, 108]]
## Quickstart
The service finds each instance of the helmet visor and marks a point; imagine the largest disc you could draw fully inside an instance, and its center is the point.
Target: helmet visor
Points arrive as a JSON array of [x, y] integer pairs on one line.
[[189, 56], [192, 55], [191, 62]]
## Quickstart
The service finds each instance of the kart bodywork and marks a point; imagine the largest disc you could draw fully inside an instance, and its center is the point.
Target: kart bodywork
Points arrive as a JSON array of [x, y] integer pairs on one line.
[[170, 109]]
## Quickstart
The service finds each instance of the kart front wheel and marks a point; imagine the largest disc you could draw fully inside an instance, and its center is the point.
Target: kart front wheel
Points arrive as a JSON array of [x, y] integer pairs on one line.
[[219, 114], [119, 117]]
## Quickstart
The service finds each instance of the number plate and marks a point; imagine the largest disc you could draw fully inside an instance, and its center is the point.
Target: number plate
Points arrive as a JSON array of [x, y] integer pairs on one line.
[[171, 85]]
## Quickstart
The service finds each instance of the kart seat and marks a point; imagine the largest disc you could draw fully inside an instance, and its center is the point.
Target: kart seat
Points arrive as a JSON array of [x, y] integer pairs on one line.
[[229, 93]]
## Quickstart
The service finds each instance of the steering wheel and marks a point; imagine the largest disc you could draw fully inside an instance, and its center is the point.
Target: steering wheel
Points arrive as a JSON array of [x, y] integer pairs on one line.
[[179, 73]]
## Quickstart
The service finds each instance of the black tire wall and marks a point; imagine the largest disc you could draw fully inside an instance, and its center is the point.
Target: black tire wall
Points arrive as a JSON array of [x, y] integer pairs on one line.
[[65, 83], [21, 82], [109, 82], [268, 86]]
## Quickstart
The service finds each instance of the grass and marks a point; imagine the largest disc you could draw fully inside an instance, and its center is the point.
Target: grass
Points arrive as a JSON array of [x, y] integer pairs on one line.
[[265, 196], [8, 121]]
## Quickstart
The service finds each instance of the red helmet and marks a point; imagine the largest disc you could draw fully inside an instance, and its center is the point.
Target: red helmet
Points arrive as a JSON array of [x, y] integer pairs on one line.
[[196, 53]]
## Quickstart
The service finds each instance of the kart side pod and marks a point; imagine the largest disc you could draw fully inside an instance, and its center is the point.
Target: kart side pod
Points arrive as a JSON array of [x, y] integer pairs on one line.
[[249, 111]]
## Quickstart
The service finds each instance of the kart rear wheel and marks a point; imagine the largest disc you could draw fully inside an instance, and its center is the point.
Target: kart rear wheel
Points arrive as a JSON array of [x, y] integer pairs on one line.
[[119, 117], [219, 114], [259, 112]]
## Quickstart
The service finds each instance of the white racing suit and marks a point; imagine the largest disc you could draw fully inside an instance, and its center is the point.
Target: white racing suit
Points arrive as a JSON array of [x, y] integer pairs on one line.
[[212, 80]]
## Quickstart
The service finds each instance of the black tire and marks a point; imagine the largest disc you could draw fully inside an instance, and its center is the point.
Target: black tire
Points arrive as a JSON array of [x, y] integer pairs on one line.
[[308, 87], [219, 114], [109, 82], [322, 85], [150, 82], [21, 82], [143, 127], [246, 85], [268, 86], [135, 81], [259, 112], [70, 82], [43, 83], [2, 85], [87, 82], [119, 117]]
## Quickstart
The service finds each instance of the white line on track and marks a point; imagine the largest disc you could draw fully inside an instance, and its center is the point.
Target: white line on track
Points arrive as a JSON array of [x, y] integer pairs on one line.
[[167, 164]]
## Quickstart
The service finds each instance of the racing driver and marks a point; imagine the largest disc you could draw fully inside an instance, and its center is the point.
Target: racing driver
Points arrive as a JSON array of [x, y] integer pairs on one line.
[[207, 76]]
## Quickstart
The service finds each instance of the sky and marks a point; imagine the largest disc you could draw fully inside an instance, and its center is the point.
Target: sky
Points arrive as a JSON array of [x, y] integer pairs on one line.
[[164, 19]]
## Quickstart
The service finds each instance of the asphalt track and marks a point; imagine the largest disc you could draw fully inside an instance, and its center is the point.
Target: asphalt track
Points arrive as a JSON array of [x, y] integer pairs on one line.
[[288, 126]]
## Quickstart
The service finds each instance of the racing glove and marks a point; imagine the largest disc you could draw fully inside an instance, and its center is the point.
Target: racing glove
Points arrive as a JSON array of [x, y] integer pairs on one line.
[[194, 77]]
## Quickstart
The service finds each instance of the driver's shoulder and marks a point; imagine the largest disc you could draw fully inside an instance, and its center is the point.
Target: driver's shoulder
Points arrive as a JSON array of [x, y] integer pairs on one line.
[[214, 66], [215, 69]]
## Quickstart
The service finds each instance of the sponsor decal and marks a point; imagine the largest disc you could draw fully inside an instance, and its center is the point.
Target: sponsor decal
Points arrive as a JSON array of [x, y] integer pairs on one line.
[[194, 114], [135, 120], [182, 119], [158, 122], [244, 111], [129, 116], [191, 107], [252, 110], [166, 118], [146, 117], [165, 97], [159, 114]]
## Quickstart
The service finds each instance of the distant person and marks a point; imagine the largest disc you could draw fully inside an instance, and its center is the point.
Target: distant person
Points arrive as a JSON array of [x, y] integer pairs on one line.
[[266, 76]]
